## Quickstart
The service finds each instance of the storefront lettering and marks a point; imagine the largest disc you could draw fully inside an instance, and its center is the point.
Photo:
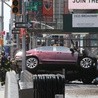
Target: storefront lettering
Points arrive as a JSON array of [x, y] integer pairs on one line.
[[79, 1], [85, 1]]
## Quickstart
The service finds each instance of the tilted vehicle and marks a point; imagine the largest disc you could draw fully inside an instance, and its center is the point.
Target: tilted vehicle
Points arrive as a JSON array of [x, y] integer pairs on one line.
[[81, 66]]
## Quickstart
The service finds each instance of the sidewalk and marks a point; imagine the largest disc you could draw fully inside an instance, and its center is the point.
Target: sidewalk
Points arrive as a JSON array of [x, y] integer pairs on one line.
[[2, 88]]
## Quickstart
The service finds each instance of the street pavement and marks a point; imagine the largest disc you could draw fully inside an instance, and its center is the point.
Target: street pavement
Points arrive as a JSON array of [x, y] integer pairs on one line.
[[81, 91], [2, 89]]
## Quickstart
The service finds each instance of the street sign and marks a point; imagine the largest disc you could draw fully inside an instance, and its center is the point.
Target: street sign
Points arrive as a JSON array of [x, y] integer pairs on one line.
[[30, 8], [15, 31], [33, 6], [23, 25]]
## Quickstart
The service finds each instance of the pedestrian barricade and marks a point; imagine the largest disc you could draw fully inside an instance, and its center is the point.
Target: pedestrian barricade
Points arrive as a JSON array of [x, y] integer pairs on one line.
[[47, 85]]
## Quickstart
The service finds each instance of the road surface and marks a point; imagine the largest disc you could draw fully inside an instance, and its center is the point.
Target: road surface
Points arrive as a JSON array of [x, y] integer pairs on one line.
[[81, 91]]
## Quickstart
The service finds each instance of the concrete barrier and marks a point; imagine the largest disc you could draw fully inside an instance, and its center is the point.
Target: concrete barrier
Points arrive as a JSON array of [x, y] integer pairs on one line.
[[26, 79], [11, 85], [26, 85]]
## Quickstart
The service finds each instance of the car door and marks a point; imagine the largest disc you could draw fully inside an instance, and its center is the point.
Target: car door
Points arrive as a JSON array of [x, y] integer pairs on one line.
[[47, 54], [64, 55]]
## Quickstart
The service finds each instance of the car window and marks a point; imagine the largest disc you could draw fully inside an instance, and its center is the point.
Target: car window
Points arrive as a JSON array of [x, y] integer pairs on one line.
[[46, 48], [62, 49]]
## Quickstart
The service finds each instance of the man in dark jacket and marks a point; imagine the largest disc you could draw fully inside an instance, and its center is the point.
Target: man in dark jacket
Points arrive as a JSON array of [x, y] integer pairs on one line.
[[3, 67]]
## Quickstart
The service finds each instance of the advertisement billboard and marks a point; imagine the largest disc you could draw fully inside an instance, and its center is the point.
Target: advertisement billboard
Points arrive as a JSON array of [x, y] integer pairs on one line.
[[80, 23], [82, 4], [85, 20]]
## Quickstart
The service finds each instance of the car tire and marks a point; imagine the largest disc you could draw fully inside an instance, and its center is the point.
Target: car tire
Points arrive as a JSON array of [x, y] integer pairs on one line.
[[32, 63], [86, 62], [87, 80]]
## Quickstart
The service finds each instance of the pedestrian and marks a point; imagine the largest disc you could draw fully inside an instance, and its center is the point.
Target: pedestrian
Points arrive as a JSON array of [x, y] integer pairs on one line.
[[8, 64], [14, 65], [3, 68]]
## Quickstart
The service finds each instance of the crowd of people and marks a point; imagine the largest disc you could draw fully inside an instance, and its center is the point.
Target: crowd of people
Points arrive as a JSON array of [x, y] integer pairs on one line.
[[6, 64]]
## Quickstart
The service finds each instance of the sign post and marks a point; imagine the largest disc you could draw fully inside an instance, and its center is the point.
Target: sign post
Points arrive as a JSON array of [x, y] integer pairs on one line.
[[23, 41], [23, 25]]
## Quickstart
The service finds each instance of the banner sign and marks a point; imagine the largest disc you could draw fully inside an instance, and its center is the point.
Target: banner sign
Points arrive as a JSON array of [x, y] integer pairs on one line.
[[47, 8], [82, 4], [85, 20]]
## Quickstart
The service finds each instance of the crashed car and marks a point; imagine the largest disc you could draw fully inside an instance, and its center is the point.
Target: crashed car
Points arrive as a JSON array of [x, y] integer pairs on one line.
[[80, 66]]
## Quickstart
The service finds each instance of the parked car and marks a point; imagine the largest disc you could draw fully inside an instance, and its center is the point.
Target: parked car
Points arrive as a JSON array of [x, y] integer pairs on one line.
[[81, 66]]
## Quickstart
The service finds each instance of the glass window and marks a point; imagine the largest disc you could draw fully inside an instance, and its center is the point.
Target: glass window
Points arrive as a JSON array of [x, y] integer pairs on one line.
[[94, 43], [45, 48], [62, 49]]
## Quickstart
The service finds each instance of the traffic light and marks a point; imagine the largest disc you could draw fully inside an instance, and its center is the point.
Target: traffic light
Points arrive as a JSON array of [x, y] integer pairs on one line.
[[16, 7]]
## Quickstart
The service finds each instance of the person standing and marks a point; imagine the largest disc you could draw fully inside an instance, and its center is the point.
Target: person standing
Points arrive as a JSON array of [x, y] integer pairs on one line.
[[3, 67]]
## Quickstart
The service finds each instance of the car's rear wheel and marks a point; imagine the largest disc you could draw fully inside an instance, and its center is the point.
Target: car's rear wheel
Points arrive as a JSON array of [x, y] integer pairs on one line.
[[86, 62], [31, 63]]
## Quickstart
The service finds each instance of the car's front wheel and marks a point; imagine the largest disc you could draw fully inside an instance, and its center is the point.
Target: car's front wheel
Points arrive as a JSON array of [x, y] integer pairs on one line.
[[86, 62], [32, 62]]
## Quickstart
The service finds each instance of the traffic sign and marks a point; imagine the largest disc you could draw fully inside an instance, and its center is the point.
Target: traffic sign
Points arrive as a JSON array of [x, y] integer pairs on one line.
[[23, 25]]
